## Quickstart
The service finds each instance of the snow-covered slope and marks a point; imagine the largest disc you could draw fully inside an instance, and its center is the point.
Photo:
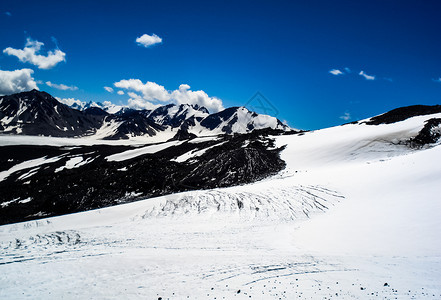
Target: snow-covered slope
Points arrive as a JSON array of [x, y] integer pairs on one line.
[[355, 214], [392, 189]]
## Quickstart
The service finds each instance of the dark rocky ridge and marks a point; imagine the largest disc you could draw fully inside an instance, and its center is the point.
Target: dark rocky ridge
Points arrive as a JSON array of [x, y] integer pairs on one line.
[[430, 134], [38, 113], [100, 183], [403, 113]]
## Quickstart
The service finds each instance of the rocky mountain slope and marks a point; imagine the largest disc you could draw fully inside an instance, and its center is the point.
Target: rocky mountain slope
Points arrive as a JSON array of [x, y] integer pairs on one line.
[[38, 113], [39, 181]]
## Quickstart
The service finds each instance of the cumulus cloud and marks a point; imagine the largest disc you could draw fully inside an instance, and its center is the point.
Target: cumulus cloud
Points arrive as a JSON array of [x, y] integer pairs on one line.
[[346, 116], [150, 91], [109, 89], [30, 54], [16, 81], [148, 40], [366, 76], [61, 86], [186, 96], [120, 93], [136, 101], [336, 72], [148, 95]]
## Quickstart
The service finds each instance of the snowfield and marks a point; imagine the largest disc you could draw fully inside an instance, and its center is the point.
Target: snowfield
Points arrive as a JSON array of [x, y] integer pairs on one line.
[[356, 214]]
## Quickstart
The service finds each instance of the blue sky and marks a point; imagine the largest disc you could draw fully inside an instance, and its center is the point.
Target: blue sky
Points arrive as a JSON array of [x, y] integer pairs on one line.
[[386, 54]]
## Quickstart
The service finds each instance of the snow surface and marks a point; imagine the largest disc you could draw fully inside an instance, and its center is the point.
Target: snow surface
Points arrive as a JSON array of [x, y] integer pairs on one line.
[[11, 140], [356, 214]]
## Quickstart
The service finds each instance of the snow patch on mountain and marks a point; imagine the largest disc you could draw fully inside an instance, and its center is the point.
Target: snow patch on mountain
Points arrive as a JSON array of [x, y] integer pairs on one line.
[[194, 153], [74, 162], [129, 154], [27, 165]]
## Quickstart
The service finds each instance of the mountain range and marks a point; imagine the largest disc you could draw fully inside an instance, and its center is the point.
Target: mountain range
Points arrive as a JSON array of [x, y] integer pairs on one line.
[[38, 113]]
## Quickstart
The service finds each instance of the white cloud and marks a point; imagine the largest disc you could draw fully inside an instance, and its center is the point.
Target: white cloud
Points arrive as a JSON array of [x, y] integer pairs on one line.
[[138, 102], [120, 93], [61, 86], [366, 76], [16, 81], [345, 71], [149, 94], [336, 72], [185, 96], [109, 89], [346, 116], [437, 80], [150, 91], [30, 54], [148, 40]]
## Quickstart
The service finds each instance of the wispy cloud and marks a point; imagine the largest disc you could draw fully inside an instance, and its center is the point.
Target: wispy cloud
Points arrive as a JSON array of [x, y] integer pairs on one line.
[[437, 80], [148, 95], [109, 89], [346, 116], [61, 86], [148, 40], [347, 71], [336, 72], [8, 14], [30, 54], [16, 81], [366, 76]]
